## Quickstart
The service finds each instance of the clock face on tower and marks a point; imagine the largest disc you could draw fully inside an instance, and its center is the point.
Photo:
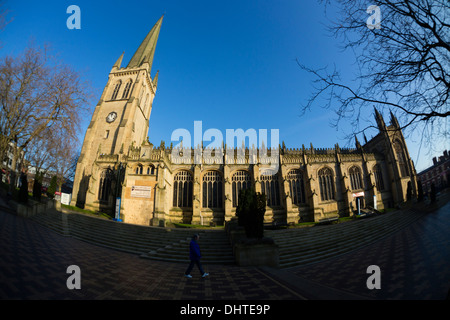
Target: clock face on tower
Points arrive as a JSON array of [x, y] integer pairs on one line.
[[111, 117]]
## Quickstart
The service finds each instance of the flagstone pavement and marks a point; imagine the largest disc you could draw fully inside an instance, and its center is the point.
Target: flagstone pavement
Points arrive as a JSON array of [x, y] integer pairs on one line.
[[414, 264]]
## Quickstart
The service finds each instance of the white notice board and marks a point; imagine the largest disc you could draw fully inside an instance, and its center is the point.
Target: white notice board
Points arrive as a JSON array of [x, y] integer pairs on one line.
[[140, 191], [66, 198]]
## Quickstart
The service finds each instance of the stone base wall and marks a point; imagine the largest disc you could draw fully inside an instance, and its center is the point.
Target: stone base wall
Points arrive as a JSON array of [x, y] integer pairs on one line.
[[256, 254]]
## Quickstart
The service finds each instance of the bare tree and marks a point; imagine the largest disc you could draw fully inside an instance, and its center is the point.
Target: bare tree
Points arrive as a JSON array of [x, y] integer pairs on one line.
[[4, 19], [65, 157], [404, 64], [38, 93], [54, 152], [39, 157], [3, 16], [72, 166], [40, 152]]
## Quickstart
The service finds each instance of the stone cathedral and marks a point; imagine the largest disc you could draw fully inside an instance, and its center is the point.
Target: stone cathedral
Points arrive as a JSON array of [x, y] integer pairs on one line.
[[119, 168]]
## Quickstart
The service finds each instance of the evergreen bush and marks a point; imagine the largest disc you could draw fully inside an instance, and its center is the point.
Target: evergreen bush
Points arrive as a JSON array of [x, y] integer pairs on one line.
[[37, 186], [250, 212], [23, 190], [52, 188]]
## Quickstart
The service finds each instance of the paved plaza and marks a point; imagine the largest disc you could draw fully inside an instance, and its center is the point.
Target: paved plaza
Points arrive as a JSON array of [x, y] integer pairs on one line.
[[414, 264]]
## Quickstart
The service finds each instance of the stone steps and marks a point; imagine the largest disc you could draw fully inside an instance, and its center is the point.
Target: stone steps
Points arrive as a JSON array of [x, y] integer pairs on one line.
[[298, 247], [149, 242], [325, 235], [214, 246], [51, 219], [116, 235]]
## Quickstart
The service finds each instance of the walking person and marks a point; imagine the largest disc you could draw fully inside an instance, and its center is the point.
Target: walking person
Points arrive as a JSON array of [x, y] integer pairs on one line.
[[195, 256]]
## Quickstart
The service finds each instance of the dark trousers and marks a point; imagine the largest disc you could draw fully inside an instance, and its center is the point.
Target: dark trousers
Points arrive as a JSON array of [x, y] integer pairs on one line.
[[191, 265]]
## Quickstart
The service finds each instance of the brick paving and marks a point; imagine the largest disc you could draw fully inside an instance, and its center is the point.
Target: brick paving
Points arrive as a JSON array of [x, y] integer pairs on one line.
[[414, 264], [34, 261]]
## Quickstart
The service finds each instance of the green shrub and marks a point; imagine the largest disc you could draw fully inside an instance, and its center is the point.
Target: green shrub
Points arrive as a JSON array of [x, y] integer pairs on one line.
[[37, 186], [250, 212], [23, 190], [52, 188]]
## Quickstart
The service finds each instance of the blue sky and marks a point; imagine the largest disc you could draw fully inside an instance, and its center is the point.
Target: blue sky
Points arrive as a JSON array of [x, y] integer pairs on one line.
[[230, 64]]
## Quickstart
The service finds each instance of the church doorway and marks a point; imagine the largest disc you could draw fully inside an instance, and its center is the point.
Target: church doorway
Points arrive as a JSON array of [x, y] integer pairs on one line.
[[359, 203]]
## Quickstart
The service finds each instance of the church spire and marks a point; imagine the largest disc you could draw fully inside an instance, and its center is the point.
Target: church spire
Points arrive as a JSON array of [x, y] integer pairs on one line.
[[394, 120], [118, 62], [155, 79], [380, 121], [358, 145], [146, 51]]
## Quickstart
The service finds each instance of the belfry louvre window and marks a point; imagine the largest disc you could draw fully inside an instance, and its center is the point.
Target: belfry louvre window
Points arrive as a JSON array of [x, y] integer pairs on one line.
[[355, 178], [239, 181], [126, 91], [116, 90], [326, 184], [212, 190], [271, 188], [296, 186], [182, 189]]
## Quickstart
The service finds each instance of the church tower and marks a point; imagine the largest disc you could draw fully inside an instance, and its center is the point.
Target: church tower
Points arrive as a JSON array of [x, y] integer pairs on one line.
[[400, 171], [120, 120]]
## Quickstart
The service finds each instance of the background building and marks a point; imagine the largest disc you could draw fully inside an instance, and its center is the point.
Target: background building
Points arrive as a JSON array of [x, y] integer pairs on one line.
[[438, 174], [8, 170]]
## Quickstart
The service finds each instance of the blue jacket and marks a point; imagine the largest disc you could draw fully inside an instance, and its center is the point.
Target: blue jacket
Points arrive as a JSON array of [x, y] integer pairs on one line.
[[194, 251]]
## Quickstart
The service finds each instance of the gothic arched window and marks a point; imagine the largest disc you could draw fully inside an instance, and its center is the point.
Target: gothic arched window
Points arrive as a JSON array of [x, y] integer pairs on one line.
[[296, 186], [126, 91], [378, 177], [116, 90], [150, 169], [138, 169], [400, 158], [104, 190], [355, 178], [182, 189], [326, 184], [271, 188], [239, 181], [212, 190]]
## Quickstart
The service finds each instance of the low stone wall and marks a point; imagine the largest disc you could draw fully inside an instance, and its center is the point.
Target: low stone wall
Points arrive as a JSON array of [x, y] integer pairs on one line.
[[251, 252], [258, 253], [33, 208]]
